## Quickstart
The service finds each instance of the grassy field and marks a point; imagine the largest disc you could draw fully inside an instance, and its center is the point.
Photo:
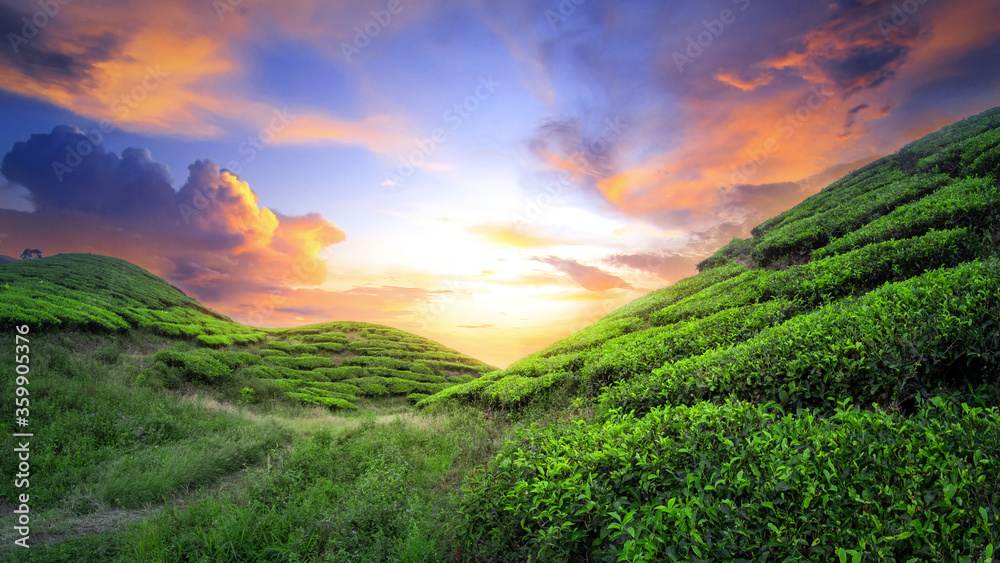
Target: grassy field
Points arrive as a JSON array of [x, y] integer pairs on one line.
[[826, 390]]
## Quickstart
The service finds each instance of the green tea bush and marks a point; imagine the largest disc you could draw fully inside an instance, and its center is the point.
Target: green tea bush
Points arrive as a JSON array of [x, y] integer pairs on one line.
[[376, 361], [303, 362], [738, 250], [332, 337], [874, 175], [641, 352], [866, 268], [374, 390], [817, 230], [741, 290], [903, 340], [195, 366], [660, 298], [742, 481], [215, 340], [969, 203], [331, 402], [601, 331], [272, 352], [415, 398]]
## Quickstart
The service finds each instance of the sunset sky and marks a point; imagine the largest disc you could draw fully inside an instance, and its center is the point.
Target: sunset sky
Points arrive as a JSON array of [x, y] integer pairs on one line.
[[493, 175]]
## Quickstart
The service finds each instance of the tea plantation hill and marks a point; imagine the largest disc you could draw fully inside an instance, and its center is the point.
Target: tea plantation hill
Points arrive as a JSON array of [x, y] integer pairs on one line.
[[164, 431], [825, 390], [331, 364]]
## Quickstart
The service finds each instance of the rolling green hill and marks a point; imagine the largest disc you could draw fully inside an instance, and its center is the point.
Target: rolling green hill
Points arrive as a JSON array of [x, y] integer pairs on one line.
[[6, 259], [142, 400], [328, 364], [824, 389]]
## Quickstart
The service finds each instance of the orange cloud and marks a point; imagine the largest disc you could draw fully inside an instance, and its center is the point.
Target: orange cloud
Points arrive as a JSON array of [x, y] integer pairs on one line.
[[212, 237], [174, 70], [380, 133], [745, 85]]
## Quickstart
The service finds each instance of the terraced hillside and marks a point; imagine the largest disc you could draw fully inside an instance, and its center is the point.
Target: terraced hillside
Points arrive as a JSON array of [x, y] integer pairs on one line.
[[824, 390], [332, 364], [164, 431]]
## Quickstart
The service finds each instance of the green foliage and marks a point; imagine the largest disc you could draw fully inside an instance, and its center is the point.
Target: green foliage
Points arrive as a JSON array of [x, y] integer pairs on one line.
[[656, 300], [194, 366], [738, 250], [639, 353], [378, 492], [973, 202], [725, 427], [305, 362], [799, 238], [113, 442], [99, 293], [906, 339], [740, 481], [247, 396]]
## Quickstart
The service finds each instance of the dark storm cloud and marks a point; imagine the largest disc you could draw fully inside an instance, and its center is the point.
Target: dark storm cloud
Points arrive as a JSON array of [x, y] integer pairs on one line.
[[66, 169], [27, 48], [211, 237]]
